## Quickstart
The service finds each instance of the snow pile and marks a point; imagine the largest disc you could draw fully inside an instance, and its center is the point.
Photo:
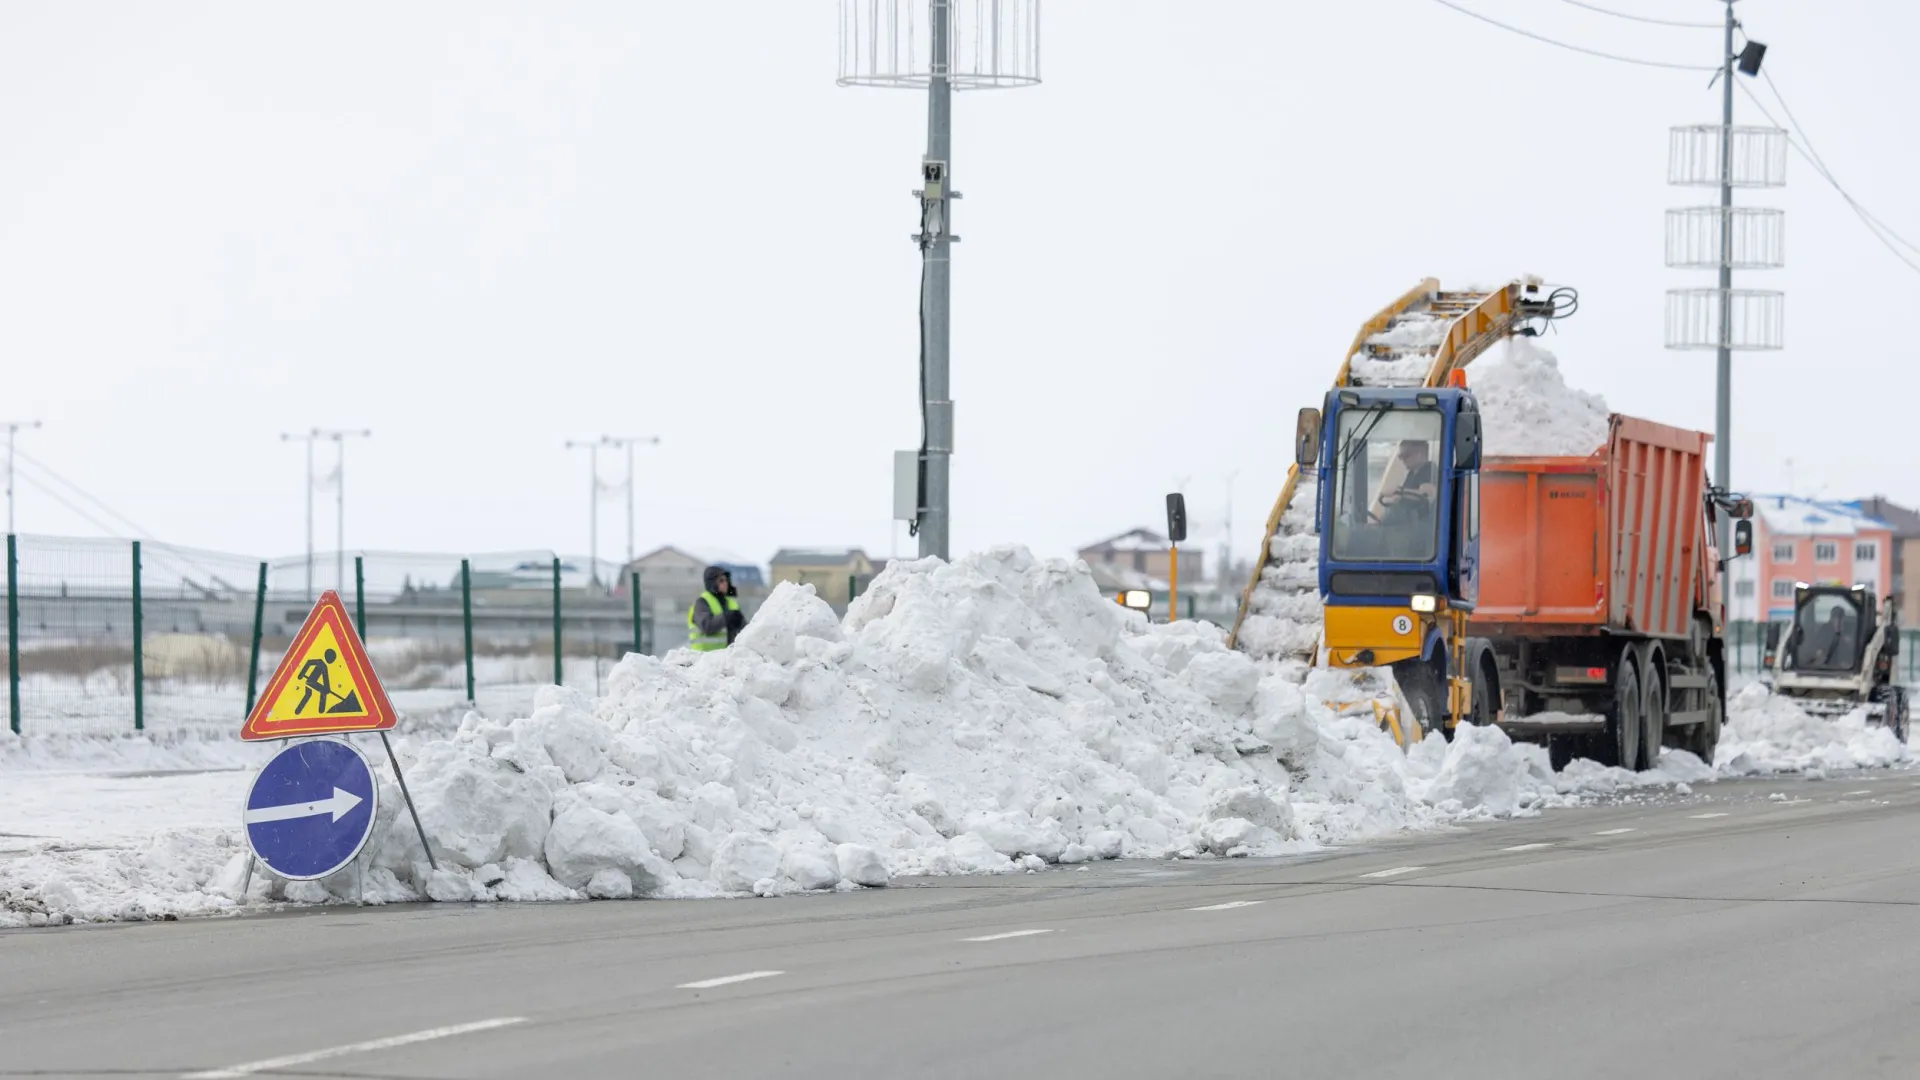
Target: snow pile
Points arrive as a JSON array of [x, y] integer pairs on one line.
[[1765, 733], [1529, 410], [988, 716]]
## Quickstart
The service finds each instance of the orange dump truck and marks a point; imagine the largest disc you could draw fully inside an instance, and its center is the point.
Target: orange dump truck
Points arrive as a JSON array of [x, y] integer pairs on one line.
[[1600, 595]]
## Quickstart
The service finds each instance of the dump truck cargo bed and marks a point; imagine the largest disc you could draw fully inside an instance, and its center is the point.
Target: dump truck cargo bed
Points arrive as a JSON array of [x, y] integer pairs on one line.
[[1614, 542]]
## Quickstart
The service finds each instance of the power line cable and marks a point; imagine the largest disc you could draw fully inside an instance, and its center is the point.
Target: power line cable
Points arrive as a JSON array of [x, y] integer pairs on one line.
[[1645, 18], [1820, 163], [124, 520], [1568, 45], [1866, 217]]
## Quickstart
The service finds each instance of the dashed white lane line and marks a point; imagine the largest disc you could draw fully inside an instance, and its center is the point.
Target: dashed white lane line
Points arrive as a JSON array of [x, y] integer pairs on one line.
[[1228, 905], [1612, 832], [311, 1056], [726, 980], [1862, 791], [1393, 872], [1703, 817], [1008, 934], [1526, 847]]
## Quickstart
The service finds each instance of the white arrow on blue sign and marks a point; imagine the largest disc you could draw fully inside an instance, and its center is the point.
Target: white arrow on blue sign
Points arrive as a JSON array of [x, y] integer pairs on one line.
[[311, 809]]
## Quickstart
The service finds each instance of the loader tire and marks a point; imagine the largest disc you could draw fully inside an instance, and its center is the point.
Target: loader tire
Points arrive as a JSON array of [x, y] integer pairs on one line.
[[1897, 712], [1426, 697]]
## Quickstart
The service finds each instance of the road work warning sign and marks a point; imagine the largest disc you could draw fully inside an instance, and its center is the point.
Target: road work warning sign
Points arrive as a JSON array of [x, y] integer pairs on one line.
[[324, 685]]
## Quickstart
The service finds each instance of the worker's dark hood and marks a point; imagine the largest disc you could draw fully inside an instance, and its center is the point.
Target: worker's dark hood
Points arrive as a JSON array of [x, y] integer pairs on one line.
[[711, 578]]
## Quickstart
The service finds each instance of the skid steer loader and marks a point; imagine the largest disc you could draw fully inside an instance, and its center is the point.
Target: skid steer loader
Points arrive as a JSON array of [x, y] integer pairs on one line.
[[1838, 654]]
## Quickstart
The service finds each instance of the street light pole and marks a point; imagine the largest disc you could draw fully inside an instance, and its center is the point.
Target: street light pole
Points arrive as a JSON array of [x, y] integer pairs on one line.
[[629, 441], [14, 427], [308, 439], [593, 505], [339, 437]]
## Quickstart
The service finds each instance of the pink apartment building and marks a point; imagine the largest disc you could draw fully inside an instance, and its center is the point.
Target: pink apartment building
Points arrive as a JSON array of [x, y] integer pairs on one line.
[[1798, 540]]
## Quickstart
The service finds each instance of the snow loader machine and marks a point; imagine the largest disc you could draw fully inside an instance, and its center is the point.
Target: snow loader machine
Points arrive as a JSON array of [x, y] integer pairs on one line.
[[1377, 538], [1838, 654]]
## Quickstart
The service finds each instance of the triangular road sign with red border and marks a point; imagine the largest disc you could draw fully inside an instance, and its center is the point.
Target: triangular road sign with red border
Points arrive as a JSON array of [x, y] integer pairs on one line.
[[324, 685]]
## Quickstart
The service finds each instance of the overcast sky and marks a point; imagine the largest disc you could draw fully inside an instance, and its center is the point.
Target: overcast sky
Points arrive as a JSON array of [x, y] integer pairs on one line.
[[481, 230]]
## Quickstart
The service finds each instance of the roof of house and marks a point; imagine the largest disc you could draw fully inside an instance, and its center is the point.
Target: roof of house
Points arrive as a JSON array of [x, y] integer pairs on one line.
[[1131, 540], [817, 556], [1905, 522], [1789, 515]]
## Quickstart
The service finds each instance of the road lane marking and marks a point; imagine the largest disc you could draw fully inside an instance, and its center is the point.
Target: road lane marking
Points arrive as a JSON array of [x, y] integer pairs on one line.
[[1526, 847], [292, 1060], [1229, 904], [1393, 872], [1008, 934], [1862, 791], [1612, 832], [1703, 817], [724, 980]]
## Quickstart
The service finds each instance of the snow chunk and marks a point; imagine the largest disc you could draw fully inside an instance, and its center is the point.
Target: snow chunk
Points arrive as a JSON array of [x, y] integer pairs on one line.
[[585, 841]]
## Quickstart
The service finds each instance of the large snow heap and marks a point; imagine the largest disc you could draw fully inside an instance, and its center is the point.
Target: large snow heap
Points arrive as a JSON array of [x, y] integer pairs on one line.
[[986, 716], [964, 718]]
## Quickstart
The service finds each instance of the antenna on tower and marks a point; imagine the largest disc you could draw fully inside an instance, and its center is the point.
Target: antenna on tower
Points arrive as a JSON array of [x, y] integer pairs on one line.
[[944, 46]]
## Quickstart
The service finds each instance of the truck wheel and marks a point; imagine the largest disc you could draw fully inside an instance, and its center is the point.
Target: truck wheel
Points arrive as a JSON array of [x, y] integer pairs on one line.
[[1654, 718], [1621, 743], [1897, 712], [1562, 749], [1486, 695], [1703, 738]]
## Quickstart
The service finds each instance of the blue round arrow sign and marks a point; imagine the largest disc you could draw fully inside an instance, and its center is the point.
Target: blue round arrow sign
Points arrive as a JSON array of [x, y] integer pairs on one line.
[[311, 808]]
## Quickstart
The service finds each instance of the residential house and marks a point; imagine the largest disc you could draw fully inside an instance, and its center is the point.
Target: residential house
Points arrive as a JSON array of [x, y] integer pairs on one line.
[[1146, 552], [1906, 548], [1817, 542], [836, 574]]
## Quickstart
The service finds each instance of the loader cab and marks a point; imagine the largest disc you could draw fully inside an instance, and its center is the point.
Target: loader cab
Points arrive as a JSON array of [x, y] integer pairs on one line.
[[1398, 506], [1831, 628]]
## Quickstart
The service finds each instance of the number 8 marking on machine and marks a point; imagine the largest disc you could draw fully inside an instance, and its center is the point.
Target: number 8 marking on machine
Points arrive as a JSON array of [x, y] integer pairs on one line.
[[1402, 625]]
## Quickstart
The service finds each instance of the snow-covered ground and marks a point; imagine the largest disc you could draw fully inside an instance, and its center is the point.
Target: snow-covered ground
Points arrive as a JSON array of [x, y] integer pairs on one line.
[[988, 716]]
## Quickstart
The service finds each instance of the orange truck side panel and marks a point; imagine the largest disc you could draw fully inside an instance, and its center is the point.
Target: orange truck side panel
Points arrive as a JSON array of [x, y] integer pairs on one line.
[[1613, 541]]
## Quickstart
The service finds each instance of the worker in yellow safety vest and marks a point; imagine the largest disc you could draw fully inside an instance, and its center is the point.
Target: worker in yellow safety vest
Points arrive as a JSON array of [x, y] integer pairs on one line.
[[714, 619]]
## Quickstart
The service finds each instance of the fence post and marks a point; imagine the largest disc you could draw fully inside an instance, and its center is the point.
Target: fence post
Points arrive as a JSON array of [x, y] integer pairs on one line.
[[139, 651], [559, 675], [259, 622], [13, 633], [359, 597], [466, 618], [633, 590]]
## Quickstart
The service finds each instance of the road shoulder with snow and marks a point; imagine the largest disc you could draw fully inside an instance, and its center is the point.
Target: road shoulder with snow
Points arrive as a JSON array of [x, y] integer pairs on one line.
[[1759, 928]]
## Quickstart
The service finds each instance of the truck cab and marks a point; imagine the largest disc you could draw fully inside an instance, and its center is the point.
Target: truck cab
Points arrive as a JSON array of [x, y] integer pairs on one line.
[[1397, 512]]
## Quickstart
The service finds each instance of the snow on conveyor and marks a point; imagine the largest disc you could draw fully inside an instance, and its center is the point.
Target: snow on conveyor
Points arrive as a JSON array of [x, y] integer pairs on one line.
[[987, 716]]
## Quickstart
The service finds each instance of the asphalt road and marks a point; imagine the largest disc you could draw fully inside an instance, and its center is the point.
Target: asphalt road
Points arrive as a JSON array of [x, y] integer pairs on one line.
[[1755, 929]]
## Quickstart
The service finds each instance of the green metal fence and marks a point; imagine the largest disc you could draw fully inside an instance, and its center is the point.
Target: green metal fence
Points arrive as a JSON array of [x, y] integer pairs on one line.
[[108, 636]]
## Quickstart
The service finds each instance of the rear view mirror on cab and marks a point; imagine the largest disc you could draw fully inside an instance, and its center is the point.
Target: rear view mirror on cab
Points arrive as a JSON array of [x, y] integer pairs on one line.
[[1743, 537], [1466, 440], [1306, 438]]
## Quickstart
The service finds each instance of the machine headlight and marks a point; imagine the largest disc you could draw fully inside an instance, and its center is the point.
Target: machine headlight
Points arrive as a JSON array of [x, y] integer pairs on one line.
[[1138, 599], [1423, 604]]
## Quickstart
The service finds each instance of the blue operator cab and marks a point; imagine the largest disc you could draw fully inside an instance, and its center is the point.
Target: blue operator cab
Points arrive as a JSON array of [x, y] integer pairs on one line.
[[1397, 510]]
